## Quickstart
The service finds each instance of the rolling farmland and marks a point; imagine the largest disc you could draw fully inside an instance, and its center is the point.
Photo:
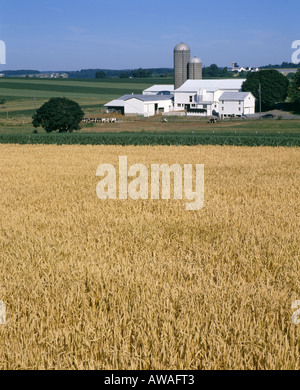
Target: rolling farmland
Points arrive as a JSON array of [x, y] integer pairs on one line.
[[74, 89], [25, 95]]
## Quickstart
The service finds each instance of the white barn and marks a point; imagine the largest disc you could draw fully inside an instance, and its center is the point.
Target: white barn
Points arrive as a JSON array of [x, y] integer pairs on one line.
[[222, 97], [145, 105]]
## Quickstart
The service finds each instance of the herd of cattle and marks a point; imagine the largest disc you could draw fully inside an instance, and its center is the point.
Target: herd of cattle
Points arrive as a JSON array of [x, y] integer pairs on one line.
[[99, 120]]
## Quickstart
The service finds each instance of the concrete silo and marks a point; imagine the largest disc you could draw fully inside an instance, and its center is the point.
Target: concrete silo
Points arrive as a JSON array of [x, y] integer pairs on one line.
[[195, 69], [182, 55]]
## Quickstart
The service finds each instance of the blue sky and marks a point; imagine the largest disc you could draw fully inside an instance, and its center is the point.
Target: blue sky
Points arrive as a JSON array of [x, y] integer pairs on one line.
[[119, 34]]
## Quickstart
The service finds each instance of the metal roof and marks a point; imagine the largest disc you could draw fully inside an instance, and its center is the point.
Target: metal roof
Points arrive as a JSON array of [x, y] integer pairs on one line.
[[234, 96], [145, 98], [182, 47], [115, 103], [211, 85], [160, 88], [195, 60]]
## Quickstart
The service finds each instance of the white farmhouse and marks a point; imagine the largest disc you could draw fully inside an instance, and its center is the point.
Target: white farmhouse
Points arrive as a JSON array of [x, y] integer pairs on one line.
[[203, 97], [237, 104], [145, 105]]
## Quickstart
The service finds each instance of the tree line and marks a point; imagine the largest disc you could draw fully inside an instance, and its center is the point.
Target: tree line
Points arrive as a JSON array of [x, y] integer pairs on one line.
[[136, 73], [284, 65]]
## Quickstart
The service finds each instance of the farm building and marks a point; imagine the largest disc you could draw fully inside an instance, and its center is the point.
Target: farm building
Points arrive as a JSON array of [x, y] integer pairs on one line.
[[159, 90], [146, 105], [203, 97], [190, 94], [236, 103], [221, 98]]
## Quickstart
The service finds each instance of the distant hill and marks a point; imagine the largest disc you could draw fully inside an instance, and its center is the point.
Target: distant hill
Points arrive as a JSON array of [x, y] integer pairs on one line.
[[91, 73], [284, 65], [211, 71], [11, 73]]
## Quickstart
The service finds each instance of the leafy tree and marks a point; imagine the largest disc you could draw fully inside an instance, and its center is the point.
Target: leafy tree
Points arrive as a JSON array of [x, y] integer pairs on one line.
[[100, 75], [166, 74], [214, 71], [124, 75], [290, 76], [274, 87], [294, 89], [58, 114], [141, 73]]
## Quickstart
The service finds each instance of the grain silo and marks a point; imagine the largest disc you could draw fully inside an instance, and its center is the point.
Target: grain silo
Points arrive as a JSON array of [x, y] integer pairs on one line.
[[182, 55], [195, 69]]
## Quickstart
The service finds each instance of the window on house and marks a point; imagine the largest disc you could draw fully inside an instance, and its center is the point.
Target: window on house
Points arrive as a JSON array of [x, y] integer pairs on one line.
[[191, 99]]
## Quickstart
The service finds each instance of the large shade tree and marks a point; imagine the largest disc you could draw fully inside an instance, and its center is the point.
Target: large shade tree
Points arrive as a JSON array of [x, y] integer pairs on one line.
[[100, 75], [59, 114], [274, 87], [294, 90]]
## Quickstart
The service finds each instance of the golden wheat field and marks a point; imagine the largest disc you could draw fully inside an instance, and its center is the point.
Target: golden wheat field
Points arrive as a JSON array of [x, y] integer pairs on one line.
[[93, 284]]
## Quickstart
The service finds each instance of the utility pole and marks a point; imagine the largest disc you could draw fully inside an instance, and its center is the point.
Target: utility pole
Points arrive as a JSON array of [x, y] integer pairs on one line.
[[259, 91]]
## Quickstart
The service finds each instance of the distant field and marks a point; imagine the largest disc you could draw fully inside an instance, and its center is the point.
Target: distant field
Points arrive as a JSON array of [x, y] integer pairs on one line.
[[200, 125], [25, 95], [150, 132], [19, 124], [103, 90]]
